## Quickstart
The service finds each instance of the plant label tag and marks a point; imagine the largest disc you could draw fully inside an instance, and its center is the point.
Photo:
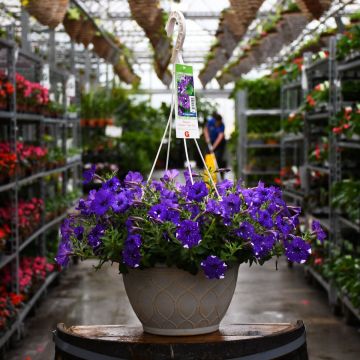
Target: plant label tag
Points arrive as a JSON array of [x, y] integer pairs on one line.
[[187, 126]]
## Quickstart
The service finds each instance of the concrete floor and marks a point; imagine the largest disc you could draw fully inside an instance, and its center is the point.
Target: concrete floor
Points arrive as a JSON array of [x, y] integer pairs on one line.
[[262, 295]]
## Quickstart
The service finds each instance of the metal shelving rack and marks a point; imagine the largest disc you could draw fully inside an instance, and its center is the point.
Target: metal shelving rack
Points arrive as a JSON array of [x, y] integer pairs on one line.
[[317, 71], [244, 115], [349, 69], [12, 58], [291, 145]]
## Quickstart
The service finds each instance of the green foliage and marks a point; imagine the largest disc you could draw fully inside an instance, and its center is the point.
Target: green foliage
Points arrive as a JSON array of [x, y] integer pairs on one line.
[[263, 93], [74, 13], [344, 271], [350, 41], [346, 197], [97, 104], [263, 124], [294, 123]]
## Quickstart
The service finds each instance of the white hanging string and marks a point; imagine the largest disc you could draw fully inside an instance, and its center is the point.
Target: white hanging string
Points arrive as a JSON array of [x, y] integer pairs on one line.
[[207, 169], [177, 16], [171, 121], [162, 141]]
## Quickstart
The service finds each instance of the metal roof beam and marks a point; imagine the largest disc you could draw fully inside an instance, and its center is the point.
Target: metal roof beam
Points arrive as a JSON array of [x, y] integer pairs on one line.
[[189, 15]]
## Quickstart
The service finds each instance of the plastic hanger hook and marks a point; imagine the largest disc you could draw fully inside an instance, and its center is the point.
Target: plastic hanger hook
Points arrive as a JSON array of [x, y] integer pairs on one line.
[[178, 18]]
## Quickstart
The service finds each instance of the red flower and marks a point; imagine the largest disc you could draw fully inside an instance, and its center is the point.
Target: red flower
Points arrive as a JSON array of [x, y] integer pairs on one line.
[[310, 100]]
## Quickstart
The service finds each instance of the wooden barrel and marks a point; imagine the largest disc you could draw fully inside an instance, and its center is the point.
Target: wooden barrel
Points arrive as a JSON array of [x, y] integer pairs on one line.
[[245, 342]]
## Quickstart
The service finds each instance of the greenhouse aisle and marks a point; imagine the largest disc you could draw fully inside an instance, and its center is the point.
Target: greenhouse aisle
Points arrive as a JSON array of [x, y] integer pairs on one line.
[[88, 297]]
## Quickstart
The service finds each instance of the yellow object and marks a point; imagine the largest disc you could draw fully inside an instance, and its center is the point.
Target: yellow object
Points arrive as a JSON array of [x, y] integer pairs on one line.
[[210, 161]]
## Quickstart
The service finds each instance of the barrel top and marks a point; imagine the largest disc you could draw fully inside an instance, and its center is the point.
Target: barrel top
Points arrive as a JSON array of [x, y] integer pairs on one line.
[[135, 334]]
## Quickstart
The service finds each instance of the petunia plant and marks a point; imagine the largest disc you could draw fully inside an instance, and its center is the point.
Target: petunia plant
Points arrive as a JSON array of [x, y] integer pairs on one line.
[[191, 226]]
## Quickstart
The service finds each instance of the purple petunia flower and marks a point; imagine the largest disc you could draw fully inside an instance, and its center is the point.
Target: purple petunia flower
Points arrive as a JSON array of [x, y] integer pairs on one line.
[[133, 240], [63, 253], [224, 186], [193, 209], [112, 184], [83, 206], [187, 176], [89, 174], [170, 175], [197, 191], [102, 202], [79, 232], [129, 223], [262, 244], [318, 230], [66, 230], [95, 235], [214, 267], [157, 185], [297, 250], [131, 256], [213, 207], [133, 177], [263, 218], [164, 212], [120, 203], [168, 195], [285, 225], [131, 251], [230, 205], [188, 233], [245, 231], [158, 212]]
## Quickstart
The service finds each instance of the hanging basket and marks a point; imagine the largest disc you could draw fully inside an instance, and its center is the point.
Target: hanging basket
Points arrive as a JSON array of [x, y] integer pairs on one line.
[[213, 66], [295, 24], [163, 52], [314, 8], [125, 73], [86, 33], [145, 12], [101, 47], [228, 41], [224, 79], [48, 12], [243, 66], [72, 27]]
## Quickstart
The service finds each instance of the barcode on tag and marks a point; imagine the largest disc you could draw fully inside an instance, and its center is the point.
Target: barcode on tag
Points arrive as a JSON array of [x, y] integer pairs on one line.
[[192, 104]]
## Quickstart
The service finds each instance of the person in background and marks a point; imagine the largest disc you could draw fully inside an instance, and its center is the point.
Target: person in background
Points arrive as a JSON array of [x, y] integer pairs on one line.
[[214, 133]]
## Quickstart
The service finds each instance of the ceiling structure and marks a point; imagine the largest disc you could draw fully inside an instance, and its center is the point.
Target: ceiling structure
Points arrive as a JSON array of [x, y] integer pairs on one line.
[[115, 16]]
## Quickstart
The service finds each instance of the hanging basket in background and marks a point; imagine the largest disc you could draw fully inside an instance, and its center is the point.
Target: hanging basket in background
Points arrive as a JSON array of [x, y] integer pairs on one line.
[[224, 79], [314, 8], [125, 73], [101, 46], [295, 24], [72, 27], [86, 33], [48, 12]]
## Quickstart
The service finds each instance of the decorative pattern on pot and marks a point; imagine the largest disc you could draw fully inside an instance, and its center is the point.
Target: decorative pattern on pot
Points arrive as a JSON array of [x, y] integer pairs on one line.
[[170, 301]]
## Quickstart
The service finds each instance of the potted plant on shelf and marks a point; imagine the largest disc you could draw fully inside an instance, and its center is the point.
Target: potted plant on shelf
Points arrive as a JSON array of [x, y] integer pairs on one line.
[[179, 246]]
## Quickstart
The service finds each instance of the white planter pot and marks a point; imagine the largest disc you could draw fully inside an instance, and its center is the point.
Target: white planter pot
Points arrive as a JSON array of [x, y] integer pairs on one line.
[[170, 301]]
